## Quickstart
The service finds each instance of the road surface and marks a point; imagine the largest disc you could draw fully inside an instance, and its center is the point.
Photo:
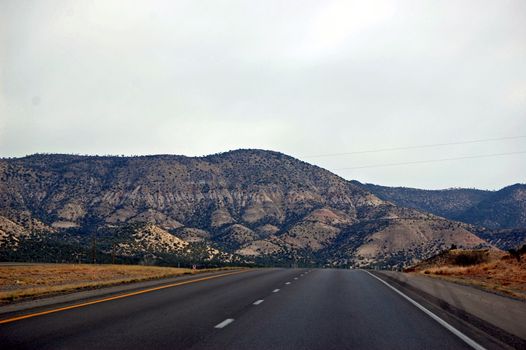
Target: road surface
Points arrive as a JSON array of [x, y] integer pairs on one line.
[[255, 309]]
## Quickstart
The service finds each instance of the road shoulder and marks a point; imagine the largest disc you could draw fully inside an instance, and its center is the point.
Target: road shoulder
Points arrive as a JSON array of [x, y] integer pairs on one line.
[[502, 318]]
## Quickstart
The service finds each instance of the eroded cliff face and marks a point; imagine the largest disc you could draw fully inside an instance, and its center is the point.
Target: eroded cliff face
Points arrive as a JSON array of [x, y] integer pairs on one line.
[[250, 202]]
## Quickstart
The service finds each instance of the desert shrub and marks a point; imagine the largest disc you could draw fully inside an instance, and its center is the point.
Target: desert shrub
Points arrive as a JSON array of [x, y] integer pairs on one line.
[[517, 253], [471, 258]]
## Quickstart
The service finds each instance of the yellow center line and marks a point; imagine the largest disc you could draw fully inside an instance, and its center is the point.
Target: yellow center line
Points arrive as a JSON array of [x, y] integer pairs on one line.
[[18, 318]]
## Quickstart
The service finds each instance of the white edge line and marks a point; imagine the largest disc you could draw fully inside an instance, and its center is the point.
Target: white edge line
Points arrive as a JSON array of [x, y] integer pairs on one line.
[[275, 291], [446, 325], [257, 302], [224, 323]]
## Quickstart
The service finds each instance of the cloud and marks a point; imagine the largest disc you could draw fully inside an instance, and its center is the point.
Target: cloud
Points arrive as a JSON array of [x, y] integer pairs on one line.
[[301, 77]]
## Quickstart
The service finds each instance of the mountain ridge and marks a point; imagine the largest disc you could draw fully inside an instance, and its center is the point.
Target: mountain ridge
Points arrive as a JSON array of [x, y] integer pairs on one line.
[[500, 209], [261, 206]]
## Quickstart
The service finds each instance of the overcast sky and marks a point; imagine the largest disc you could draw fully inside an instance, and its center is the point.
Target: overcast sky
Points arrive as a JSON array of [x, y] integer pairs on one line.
[[301, 77]]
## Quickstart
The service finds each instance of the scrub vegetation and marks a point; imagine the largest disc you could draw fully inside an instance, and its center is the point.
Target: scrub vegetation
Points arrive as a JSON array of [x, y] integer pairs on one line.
[[36, 280], [491, 270]]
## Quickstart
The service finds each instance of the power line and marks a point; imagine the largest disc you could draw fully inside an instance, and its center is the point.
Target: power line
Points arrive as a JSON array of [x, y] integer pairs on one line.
[[415, 147], [430, 161]]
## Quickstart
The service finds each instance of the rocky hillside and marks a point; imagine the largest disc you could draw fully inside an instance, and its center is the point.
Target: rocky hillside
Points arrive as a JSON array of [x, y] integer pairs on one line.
[[503, 209], [505, 239], [448, 203], [248, 205]]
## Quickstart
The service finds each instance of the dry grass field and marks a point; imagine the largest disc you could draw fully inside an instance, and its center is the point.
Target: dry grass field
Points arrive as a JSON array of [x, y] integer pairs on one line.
[[32, 280], [496, 272]]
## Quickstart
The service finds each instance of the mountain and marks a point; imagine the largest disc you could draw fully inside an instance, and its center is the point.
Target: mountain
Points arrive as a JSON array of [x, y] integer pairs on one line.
[[244, 206], [503, 209], [504, 239], [448, 203]]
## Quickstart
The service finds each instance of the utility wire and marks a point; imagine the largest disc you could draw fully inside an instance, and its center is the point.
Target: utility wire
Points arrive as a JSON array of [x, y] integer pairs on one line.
[[415, 147], [430, 161]]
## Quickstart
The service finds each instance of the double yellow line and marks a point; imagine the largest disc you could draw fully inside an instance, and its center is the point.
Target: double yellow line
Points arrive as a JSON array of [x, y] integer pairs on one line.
[[120, 296]]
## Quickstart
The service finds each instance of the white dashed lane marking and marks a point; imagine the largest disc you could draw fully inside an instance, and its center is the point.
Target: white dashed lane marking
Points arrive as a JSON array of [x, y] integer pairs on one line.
[[275, 291], [257, 302], [224, 323]]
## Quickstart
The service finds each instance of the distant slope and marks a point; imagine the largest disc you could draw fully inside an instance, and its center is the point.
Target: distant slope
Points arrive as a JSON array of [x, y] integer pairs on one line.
[[262, 206], [448, 203], [503, 209], [505, 239]]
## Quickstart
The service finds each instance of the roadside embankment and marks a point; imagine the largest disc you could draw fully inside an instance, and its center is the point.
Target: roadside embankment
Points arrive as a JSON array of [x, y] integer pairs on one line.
[[494, 271]]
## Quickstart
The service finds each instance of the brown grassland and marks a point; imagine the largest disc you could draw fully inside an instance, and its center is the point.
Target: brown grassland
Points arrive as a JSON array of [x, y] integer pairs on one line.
[[36, 280], [497, 272]]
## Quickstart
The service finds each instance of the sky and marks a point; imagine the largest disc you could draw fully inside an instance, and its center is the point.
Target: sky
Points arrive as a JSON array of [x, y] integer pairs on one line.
[[356, 87]]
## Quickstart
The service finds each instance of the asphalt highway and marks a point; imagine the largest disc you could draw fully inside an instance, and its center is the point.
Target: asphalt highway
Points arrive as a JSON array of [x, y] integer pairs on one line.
[[255, 309]]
